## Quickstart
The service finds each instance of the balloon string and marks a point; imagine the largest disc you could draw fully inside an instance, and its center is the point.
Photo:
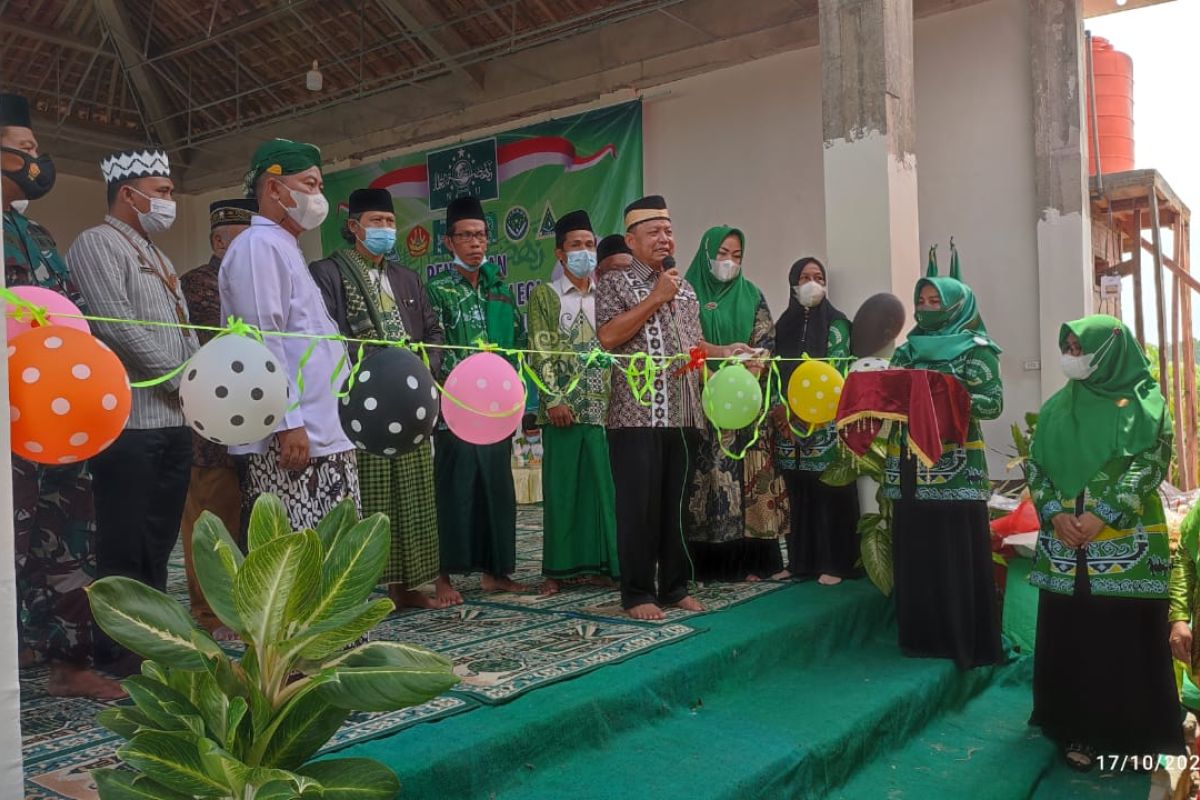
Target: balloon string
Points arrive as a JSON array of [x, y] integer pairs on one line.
[[641, 370]]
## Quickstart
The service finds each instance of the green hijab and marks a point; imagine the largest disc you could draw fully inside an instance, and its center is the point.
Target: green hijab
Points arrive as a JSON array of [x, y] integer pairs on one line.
[[1116, 413], [726, 309], [961, 328]]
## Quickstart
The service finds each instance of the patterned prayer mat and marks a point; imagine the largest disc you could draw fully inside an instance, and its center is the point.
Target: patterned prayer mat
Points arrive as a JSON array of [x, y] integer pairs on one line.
[[500, 650]]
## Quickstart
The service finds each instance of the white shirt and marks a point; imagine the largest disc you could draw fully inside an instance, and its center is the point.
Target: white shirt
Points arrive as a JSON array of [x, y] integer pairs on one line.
[[265, 282], [573, 302]]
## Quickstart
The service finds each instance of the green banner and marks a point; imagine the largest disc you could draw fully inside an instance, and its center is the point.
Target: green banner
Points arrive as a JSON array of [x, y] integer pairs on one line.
[[526, 178]]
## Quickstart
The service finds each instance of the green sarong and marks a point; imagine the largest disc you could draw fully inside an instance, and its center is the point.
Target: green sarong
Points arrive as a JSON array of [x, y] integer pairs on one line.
[[476, 504], [580, 503], [402, 488]]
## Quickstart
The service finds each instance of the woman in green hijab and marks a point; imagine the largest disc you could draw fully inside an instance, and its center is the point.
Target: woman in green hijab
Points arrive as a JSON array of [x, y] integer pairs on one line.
[[941, 544], [736, 510], [1103, 680]]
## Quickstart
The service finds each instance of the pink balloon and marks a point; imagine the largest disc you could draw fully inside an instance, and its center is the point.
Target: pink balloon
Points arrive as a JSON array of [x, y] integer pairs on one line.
[[53, 302], [483, 400]]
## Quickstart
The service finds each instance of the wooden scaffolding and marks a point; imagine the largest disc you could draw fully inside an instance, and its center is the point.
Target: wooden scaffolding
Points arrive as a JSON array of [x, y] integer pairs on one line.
[[1125, 206]]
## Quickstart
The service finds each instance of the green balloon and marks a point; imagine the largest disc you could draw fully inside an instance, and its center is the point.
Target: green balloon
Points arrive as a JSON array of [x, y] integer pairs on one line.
[[732, 397]]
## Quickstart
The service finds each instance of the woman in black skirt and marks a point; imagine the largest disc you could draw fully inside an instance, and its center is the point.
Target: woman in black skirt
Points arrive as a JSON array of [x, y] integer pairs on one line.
[[823, 536], [1103, 681], [941, 546]]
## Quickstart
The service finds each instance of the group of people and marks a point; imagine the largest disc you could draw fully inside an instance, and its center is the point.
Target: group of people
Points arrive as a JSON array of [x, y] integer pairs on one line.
[[640, 490]]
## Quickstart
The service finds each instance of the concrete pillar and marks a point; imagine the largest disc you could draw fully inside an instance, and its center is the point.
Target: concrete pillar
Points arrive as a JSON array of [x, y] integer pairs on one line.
[[1065, 272], [871, 232]]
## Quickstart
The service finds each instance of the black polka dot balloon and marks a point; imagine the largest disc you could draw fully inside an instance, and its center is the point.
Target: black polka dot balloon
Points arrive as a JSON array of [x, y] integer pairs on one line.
[[233, 391], [393, 405]]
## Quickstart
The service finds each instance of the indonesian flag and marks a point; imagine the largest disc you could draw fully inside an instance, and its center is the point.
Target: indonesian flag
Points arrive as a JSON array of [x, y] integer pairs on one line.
[[512, 159]]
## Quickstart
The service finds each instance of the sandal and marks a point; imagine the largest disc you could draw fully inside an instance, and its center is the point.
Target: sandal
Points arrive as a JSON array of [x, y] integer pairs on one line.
[[1079, 757]]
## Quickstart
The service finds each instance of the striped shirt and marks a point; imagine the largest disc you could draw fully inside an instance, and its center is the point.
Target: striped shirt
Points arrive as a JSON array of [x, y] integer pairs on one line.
[[118, 272]]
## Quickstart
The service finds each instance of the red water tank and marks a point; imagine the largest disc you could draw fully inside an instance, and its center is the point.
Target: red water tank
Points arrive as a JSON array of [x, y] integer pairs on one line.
[[1114, 108]]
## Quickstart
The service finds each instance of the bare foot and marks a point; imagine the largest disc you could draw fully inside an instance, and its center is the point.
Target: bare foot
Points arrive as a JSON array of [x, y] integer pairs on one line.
[[829, 580], [647, 611], [445, 592], [782, 575], [500, 583], [752, 579], [689, 603], [549, 587], [223, 633], [413, 598], [27, 658], [601, 581], [69, 680]]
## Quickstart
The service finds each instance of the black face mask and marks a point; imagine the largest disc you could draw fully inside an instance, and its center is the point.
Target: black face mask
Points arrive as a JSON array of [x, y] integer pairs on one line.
[[36, 176]]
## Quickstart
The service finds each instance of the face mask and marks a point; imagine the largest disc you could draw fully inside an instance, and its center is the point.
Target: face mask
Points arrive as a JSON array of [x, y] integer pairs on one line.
[[159, 218], [724, 270], [931, 319], [379, 241], [19, 206], [581, 262], [35, 177], [809, 294], [1078, 368], [459, 262], [310, 209]]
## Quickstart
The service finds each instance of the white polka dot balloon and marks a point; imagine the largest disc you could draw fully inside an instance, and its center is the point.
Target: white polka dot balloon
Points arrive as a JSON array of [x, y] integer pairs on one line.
[[234, 391], [392, 407]]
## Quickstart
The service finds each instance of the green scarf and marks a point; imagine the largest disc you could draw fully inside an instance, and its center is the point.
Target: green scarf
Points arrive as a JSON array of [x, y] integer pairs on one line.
[[726, 309], [500, 308], [1116, 413], [962, 331]]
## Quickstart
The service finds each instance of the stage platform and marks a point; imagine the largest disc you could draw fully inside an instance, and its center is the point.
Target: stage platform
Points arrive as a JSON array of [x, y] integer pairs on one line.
[[781, 691]]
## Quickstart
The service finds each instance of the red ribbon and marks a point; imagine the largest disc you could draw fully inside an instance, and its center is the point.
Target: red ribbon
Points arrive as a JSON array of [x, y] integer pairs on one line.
[[698, 357]]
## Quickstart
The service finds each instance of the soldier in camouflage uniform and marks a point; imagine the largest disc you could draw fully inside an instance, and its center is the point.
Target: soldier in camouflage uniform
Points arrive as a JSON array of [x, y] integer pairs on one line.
[[53, 514]]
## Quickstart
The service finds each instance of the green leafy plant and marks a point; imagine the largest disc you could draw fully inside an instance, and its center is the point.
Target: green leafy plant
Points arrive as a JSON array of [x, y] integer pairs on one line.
[[205, 724], [874, 530], [1021, 441]]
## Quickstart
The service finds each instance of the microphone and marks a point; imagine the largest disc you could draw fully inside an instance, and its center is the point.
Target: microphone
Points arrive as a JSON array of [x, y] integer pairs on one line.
[[668, 263]]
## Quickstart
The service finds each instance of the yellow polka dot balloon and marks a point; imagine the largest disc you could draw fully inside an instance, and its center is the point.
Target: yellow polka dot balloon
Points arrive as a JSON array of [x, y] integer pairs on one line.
[[814, 391]]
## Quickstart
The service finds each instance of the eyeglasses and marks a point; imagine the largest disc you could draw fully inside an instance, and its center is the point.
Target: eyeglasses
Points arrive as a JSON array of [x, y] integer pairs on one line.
[[476, 236]]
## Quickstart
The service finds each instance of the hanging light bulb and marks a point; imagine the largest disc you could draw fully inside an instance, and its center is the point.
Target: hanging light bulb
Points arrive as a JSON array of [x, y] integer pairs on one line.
[[314, 80]]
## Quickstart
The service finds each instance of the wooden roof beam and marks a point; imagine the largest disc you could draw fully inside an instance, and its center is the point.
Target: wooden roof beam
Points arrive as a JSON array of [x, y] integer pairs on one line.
[[150, 95], [421, 18]]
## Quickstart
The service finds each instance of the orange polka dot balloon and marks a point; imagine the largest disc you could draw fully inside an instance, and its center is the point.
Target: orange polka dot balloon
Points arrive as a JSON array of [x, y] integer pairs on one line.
[[68, 395]]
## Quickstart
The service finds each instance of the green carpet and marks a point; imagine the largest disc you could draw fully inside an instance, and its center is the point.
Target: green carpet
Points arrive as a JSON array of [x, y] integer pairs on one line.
[[787, 691]]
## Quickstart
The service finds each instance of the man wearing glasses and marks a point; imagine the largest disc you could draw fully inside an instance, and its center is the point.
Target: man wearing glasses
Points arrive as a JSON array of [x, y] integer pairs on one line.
[[476, 502]]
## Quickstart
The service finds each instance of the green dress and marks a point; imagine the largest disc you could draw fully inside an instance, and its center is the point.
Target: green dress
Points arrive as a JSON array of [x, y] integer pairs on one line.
[[1103, 674], [476, 500], [578, 493]]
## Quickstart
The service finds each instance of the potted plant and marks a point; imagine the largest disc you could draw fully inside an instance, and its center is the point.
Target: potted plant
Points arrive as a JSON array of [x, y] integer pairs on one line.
[[206, 724]]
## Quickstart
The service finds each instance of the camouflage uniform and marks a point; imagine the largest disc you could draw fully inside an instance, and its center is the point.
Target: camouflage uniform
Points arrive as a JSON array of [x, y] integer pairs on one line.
[[54, 520]]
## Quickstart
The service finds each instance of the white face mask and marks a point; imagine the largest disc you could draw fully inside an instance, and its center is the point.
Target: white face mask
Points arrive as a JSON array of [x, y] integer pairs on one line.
[[1078, 368], [19, 206], [159, 218], [809, 294], [724, 270], [310, 209]]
